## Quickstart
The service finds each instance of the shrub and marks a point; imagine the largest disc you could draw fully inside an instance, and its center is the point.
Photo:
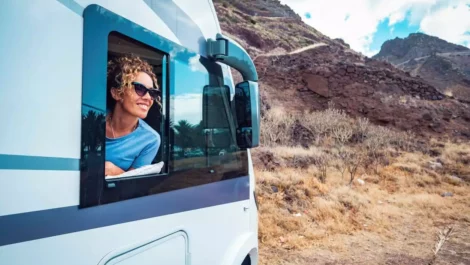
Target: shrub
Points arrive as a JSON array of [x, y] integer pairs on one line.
[[323, 123], [276, 128], [342, 133], [361, 127], [285, 129], [322, 162]]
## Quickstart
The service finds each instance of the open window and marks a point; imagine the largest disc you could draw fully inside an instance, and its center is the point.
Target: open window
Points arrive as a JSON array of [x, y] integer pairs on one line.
[[135, 160], [125, 78], [194, 120]]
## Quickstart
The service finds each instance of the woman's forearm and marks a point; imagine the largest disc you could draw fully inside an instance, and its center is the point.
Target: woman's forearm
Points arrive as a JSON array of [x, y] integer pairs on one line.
[[112, 170]]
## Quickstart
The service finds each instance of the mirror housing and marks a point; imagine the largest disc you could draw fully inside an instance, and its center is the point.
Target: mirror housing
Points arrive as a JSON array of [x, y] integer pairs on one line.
[[248, 114], [247, 109]]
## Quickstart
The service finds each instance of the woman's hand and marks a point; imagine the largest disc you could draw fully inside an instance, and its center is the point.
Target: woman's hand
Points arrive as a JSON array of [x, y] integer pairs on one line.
[[111, 169]]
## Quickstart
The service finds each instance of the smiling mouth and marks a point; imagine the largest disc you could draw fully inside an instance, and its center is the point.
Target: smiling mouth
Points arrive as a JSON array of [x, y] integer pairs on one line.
[[143, 106]]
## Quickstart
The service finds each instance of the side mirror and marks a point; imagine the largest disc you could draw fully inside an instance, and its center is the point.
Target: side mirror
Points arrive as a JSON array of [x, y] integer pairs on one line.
[[248, 114], [217, 117], [227, 51]]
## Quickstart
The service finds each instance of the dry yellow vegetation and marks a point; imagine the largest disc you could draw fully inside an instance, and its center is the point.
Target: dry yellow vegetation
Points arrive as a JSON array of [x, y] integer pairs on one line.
[[325, 180]]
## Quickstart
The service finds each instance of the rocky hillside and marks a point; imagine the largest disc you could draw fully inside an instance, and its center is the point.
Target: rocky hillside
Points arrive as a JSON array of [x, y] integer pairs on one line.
[[302, 69], [416, 45], [266, 26], [444, 65]]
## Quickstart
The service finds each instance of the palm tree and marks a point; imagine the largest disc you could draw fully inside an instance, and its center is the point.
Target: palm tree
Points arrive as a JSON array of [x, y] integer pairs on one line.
[[172, 131], [199, 136], [184, 134], [93, 130]]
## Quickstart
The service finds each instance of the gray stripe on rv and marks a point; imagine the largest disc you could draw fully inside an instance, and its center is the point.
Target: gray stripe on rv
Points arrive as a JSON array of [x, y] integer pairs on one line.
[[28, 226], [185, 29]]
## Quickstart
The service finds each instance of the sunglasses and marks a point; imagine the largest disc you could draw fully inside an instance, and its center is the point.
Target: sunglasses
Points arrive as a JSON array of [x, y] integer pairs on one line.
[[141, 90]]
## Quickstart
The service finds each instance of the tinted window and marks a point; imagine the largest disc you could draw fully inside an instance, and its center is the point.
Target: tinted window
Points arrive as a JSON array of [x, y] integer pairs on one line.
[[201, 123]]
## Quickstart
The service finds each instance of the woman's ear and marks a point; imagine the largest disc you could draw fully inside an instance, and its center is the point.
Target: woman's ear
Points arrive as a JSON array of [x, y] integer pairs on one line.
[[115, 94]]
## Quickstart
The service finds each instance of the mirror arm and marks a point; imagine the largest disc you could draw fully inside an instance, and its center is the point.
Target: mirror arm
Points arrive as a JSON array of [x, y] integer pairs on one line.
[[226, 51]]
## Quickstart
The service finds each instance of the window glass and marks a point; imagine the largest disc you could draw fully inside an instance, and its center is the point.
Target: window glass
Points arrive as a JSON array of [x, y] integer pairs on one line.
[[201, 120]]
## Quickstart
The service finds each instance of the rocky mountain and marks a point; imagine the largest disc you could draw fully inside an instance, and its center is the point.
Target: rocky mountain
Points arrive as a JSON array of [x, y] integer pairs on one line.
[[266, 26], [301, 69], [444, 65]]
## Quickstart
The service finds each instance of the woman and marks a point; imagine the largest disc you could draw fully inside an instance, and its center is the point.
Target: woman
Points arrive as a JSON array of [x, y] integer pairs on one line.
[[132, 89]]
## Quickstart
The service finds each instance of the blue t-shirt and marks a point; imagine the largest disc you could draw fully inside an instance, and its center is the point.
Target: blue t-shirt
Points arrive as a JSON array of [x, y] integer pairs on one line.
[[136, 149]]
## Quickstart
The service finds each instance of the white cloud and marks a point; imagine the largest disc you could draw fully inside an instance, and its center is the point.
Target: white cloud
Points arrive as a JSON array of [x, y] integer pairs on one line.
[[195, 65], [449, 23], [186, 107], [365, 15]]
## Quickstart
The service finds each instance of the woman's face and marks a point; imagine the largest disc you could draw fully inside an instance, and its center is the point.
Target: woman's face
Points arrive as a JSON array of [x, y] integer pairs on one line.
[[134, 104]]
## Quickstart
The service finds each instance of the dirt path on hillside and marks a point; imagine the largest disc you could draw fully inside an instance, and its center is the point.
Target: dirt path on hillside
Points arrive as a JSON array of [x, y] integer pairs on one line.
[[280, 52], [309, 47], [439, 54]]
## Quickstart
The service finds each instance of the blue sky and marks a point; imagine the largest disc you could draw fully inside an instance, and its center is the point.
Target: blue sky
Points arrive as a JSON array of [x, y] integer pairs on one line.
[[367, 24], [386, 32]]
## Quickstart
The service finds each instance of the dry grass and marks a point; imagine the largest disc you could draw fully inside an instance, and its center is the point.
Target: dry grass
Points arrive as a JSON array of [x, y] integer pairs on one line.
[[276, 127], [304, 203]]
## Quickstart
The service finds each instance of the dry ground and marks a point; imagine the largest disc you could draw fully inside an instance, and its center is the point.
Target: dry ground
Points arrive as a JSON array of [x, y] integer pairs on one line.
[[361, 224], [369, 248], [392, 213]]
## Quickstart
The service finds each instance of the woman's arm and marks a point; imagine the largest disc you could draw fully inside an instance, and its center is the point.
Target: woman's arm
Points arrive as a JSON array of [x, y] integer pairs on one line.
[[148, 154], [111, 169]]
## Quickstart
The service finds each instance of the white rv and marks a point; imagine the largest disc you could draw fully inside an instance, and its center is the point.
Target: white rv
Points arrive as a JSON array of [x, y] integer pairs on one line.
[[194, 204]]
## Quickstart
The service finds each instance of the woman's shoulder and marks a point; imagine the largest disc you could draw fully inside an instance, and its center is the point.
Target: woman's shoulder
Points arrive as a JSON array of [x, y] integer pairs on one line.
[[148, 131]]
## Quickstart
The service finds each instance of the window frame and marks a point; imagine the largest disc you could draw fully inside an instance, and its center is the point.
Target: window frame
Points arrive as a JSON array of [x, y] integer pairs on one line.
[[95, 57], [94, 188]]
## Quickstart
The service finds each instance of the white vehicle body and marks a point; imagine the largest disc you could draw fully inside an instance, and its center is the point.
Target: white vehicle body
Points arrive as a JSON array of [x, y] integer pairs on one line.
[[41, 86]]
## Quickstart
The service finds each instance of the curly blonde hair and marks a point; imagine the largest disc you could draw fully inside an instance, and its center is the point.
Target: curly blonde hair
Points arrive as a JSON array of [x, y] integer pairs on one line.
[[122, 71]]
